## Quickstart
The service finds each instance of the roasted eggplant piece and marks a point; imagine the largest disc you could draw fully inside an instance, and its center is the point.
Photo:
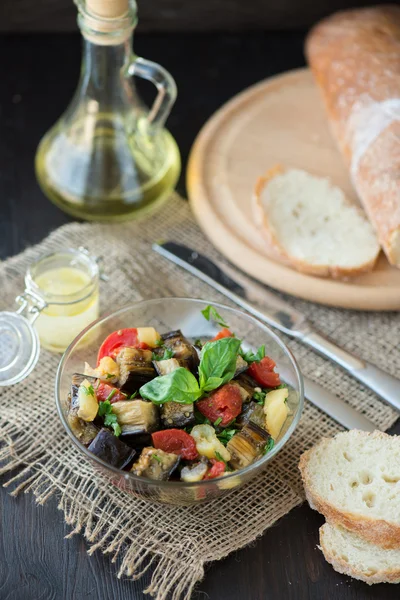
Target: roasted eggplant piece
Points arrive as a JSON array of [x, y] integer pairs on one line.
[[251, 412], [248, 383], [136, 417], [244, 394], [182, 349], [85, 432], [241, 366], [155, 464], [174, 414], [163, 367], [247, 446], [111, 449], [135, 368]]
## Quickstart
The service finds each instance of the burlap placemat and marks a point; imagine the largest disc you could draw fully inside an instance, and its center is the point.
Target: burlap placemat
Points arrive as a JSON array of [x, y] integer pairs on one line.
[[175, 541]]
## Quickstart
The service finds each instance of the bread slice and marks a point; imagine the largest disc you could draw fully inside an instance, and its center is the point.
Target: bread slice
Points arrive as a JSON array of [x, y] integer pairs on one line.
[[354, 480], [352, 555], [313, 225]]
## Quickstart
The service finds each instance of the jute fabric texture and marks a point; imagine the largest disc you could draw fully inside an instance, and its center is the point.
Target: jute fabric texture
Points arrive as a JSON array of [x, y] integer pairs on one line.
[[176, 542]]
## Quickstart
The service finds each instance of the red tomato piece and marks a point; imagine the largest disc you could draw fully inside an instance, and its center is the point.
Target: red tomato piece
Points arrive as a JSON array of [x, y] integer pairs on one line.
[[175, 441], [263, 372], [217, 469], [104, 390], [117, 340], [225, 404], [222, 334]]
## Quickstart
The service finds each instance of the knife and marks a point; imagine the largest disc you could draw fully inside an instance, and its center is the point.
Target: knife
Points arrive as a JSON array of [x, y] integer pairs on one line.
[[282, 316]]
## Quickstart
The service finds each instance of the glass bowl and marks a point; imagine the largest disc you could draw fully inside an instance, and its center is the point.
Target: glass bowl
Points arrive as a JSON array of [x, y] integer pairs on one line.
[[166, 314]]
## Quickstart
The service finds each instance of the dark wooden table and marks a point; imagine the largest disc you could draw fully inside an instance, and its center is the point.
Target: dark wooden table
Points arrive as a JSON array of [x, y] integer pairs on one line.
[[39, 74]]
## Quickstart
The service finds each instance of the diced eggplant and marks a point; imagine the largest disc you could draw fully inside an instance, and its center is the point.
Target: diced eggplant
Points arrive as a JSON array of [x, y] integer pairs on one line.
[[111, 449], [241, 366], [135, 368], [136, 416], [248, 383], [247, 446], [174, 414], [244, 394], [163, 367], [251, 412], [155, 464], [182, 348], [77, 379], [84, 431]]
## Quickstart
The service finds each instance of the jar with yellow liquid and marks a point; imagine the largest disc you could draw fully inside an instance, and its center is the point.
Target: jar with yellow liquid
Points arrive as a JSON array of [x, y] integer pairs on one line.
[[109, 157], [61, 298]]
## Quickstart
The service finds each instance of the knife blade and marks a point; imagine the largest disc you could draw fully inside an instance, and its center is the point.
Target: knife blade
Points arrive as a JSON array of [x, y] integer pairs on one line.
[[280, 315]]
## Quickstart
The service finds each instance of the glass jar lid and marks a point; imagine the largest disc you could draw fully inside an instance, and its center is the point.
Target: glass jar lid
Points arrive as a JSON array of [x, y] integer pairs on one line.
[[19, 348]]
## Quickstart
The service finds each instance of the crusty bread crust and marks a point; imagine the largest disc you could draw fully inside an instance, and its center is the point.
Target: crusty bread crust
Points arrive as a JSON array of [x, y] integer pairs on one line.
[[355, 58], [376, 531], [262, 221], [342, 566]]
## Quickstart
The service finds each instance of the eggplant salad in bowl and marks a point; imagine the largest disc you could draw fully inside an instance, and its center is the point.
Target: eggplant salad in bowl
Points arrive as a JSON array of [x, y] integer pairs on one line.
[[169, 408]]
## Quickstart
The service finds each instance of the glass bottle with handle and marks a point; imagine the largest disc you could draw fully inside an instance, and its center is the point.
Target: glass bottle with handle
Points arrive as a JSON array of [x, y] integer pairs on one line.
[[109, 157]]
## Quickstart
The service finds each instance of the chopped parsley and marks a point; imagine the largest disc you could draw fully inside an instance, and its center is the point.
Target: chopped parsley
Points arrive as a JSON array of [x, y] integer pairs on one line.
[[226, 435], [111, 394], [211, 314], [269, 445], [110, 418], [160, 343], [217, 422], [281, 386], [259, 397], [89, 391], [198, 343], [132, 396], [166, 356], [157, 458], [109, 375]]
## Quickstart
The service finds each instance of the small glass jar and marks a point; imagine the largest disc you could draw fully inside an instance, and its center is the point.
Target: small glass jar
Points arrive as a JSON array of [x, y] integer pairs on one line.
[[61, 298], [68, 282]]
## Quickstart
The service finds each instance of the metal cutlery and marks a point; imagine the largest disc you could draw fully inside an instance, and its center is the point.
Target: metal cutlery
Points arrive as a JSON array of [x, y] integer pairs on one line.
[[272, 310]]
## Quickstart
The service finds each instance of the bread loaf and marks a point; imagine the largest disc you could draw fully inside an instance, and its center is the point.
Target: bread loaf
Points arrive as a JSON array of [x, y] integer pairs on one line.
[[355, 59]]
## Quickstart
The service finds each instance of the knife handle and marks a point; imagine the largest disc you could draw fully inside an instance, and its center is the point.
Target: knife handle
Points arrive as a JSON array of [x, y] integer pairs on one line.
[[383, 384], [336, 408]]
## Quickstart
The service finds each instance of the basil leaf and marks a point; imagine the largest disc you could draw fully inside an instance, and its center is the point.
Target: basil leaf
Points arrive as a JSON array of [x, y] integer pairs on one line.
[[218, 363], [179, 386], [250, 357], [210, 313]]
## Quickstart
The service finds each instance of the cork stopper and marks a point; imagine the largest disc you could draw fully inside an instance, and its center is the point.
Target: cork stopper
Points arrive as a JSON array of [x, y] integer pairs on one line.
[[108, 9]]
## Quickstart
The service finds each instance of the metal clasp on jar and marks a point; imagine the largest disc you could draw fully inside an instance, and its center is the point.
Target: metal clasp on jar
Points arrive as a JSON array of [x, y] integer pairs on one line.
[[31, 304]]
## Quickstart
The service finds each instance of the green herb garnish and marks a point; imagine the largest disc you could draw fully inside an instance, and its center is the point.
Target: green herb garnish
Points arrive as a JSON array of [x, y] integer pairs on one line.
[[132, 396], [166, 356], [217, 422], [109, 375], [218, 363], [211, 314], [198, 343], [269, 445], [111, 394], [180, 386], [250, 357], [110, 418], [281, 386], [217, 366], [157, 458], [160, 343], [226, 435], [89, 391], [259, 397], [219, 457]]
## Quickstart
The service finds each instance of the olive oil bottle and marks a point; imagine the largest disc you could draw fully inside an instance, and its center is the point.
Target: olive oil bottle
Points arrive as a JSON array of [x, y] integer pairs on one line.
[[109, 157]]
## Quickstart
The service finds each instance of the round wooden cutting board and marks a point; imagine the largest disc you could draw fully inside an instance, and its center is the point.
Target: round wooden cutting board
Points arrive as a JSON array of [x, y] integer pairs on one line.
[[280, 120]]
